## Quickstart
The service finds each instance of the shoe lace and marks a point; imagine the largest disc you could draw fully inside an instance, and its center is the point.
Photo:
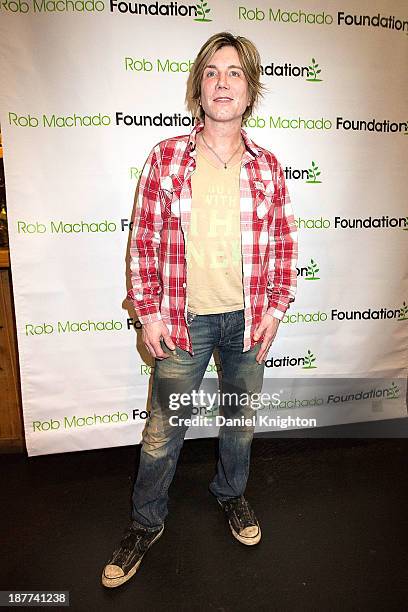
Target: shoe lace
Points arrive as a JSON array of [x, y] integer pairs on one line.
[[242, 510]]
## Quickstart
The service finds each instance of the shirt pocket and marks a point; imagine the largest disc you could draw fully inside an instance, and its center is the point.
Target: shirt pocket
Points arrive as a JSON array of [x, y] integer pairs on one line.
[[170, 189], [265, 191]]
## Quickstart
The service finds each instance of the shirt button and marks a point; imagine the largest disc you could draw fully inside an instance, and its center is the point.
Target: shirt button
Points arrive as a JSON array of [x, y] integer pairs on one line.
[[184, 284]]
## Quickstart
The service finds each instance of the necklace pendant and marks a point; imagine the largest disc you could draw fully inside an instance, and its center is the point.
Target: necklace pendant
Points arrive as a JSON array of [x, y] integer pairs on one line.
[[225, 166]]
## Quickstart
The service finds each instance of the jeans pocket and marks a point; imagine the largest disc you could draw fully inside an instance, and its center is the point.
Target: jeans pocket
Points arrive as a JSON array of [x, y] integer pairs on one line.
[[166, 349]]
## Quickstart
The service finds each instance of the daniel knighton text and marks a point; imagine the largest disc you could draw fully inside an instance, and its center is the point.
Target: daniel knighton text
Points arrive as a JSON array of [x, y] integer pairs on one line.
[[263, 421]]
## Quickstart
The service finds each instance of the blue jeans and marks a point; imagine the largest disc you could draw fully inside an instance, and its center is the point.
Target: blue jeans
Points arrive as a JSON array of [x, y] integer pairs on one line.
[[183, 373]]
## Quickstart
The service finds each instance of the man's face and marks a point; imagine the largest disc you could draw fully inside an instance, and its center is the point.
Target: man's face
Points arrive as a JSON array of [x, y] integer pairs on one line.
[[224, 88]]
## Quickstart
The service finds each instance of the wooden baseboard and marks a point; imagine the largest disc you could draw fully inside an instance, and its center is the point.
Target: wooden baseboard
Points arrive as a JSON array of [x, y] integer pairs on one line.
[[12, 445]]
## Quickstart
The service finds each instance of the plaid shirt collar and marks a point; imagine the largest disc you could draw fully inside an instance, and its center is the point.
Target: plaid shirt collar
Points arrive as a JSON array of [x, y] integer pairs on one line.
[[249, 145]]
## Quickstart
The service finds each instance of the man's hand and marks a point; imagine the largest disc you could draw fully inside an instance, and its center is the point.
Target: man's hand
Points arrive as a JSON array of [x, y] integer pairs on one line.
[[151, 334], [267, 328]]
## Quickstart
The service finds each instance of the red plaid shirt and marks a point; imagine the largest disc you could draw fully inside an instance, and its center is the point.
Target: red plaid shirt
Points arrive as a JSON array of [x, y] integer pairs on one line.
[[162, 218]]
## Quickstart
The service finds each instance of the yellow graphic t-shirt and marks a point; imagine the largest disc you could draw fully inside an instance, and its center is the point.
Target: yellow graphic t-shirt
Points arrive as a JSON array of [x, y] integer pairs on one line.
[[213, 249]]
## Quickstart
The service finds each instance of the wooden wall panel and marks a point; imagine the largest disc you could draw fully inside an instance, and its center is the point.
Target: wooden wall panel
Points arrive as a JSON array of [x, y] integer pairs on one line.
[[11, 426]]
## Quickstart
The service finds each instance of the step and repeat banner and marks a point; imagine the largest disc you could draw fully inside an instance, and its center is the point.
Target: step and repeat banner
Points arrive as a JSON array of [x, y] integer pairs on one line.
[[88, 87]]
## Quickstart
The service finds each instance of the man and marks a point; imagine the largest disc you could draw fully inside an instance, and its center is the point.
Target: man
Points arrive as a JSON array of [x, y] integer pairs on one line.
[[213, 266]]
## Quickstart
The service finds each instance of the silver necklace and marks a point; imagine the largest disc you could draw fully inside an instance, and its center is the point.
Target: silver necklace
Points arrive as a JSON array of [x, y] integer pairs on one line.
[[216, 154]]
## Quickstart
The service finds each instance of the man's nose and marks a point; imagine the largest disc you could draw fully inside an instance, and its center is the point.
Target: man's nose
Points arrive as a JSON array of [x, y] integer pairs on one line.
[[222, 80]]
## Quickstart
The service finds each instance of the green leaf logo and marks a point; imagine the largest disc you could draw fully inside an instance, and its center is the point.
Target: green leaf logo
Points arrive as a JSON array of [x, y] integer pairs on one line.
[[202, 11], [314, 174], [211, 412], [393, 391], [403, 315], [314, 72], [308, 361], [312, 268]]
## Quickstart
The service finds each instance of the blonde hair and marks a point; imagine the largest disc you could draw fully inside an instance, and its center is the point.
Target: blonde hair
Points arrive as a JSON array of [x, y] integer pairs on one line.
[[250, 62]]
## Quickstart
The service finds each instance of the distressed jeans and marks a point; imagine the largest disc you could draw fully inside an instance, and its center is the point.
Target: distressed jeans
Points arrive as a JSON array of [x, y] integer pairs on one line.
[[183, 373]]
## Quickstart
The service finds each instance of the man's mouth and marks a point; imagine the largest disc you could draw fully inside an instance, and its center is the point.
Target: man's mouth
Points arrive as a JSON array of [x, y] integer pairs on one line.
[[223, 99]]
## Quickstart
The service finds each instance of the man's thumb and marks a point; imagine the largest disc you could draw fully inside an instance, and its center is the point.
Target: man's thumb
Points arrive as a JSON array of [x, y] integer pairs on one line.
[[168, 340], [256, 334]]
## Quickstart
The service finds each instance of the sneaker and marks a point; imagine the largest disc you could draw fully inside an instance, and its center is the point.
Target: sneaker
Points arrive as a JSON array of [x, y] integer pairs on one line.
[[127, 558], [242, 520]]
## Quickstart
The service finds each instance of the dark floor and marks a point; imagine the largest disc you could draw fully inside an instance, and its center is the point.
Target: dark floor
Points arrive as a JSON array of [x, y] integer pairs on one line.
[[333, 515]]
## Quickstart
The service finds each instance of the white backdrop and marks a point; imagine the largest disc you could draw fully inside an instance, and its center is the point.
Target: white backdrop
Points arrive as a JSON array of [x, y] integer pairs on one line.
[[70, 189]]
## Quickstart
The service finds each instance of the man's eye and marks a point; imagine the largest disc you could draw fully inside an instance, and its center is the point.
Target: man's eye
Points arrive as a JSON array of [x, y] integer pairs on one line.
[[235, 73], [210, 73]]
